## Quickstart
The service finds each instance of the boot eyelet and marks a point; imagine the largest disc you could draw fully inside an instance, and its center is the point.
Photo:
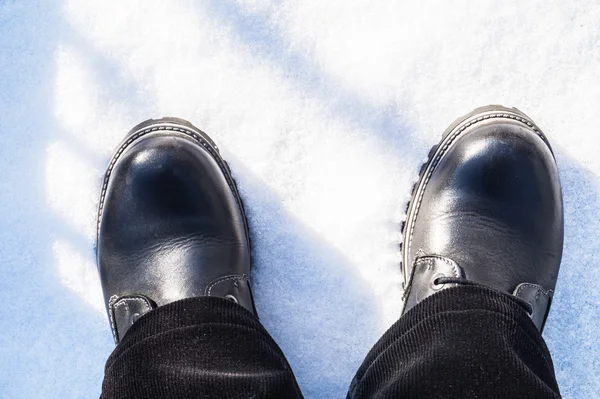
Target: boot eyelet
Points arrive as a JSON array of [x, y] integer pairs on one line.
[[134, 317], [434, 285], [530, 311], [231, 298]]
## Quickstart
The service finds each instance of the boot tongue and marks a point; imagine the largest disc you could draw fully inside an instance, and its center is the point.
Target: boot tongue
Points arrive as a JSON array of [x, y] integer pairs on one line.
[[125, 311], [426, 270]]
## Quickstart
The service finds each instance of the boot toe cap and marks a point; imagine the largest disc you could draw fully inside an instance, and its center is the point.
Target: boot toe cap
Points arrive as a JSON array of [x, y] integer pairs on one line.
[[493, 204]]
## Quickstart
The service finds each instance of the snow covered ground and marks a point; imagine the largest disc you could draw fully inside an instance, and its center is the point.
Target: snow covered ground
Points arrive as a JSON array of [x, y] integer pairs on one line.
[[325, 110]]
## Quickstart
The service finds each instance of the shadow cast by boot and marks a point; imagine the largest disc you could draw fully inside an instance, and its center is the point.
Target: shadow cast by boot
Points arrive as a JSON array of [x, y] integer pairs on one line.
[[573, 323], [308, 295]]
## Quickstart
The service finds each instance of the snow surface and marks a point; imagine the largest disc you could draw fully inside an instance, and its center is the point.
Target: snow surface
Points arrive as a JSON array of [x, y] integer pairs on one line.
[[325, 110]]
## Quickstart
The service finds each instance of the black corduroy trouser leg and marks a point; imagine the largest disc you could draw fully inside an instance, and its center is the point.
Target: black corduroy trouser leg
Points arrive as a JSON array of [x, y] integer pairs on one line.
[[463, 342], [198, 348]]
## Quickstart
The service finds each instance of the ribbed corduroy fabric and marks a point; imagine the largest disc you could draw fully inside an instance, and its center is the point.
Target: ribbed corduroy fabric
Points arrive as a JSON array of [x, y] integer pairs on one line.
[[463, 342], [198, 348]]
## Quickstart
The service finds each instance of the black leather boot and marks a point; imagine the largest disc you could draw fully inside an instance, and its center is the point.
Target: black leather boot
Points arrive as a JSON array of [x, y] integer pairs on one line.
[[487, 210], [171, 224]]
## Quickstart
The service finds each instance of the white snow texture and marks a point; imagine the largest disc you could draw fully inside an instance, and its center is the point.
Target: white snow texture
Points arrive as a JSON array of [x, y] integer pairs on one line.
[[325, 111]]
